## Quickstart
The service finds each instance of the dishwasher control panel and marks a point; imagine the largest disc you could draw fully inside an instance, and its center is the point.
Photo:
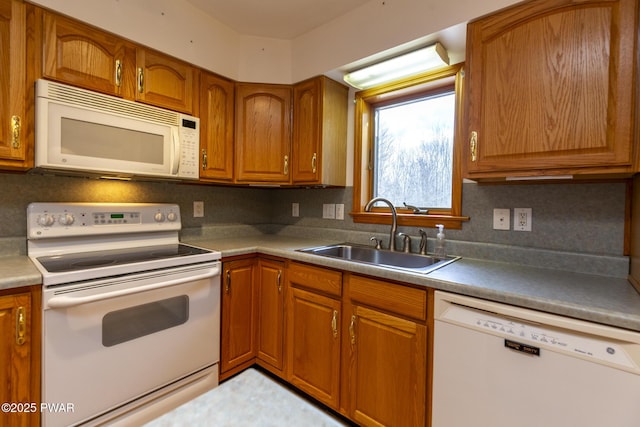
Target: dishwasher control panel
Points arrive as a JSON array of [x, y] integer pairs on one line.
[[530, 337]]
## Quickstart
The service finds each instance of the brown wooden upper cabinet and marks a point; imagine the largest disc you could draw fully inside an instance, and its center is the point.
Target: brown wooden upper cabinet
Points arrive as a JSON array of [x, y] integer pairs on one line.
[[164, 81], [14, 139], [216, 127], [263, 133], [550, 89], [84, 56], [319, 132]]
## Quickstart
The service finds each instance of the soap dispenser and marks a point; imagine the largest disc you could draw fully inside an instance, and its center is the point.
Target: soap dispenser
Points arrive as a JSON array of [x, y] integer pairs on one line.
[[440, 250]]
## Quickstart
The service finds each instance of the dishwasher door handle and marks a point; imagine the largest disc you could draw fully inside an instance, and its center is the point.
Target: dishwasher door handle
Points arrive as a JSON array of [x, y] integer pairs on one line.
[[67, 301]]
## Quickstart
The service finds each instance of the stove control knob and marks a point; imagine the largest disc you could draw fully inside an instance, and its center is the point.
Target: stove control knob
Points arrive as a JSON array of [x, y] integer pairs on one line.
[[172, 216], [66, 219], [46, 220], [159, 217]]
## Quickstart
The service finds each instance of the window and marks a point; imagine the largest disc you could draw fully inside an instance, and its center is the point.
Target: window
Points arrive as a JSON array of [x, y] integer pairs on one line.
[[406, 134]]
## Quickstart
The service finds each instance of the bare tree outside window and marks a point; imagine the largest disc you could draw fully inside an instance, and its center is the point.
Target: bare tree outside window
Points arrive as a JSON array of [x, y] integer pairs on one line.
[[414, 151]]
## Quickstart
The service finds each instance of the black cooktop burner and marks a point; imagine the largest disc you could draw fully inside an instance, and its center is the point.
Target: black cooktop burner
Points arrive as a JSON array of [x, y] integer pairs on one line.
[[89, 260]]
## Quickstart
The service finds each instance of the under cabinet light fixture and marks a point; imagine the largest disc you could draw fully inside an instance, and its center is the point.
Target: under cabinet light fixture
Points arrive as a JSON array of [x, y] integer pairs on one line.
[[417, 61]]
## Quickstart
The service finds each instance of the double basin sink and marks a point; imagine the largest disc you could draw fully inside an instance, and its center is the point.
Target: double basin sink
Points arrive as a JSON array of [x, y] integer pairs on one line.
[[383, 258]]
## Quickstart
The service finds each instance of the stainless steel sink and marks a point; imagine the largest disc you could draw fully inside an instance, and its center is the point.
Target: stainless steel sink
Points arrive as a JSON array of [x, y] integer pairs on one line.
[[384, 258]]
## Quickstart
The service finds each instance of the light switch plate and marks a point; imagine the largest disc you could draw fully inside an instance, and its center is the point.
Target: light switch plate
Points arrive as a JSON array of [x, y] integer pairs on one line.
[[329, 211], [198, 209], [295, 209], [340, 211], [501, 219]]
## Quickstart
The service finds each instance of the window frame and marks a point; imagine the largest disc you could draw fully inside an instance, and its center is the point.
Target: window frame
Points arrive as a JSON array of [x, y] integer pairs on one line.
[[365, 102]]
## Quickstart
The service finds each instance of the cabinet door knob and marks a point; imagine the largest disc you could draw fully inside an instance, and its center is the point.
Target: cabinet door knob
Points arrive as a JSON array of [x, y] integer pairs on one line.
[[16, 128], [21, 326], [118, 72], [473, 143], [334, 323], [140, 80], [279, 281], [204, 159], [352, 330]]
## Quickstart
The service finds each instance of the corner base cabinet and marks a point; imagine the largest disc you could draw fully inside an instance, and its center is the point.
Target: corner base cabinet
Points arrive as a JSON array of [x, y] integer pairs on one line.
[[20, 356]]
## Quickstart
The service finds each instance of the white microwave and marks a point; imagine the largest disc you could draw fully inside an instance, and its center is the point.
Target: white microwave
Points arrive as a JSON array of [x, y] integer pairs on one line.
[[80, 132]]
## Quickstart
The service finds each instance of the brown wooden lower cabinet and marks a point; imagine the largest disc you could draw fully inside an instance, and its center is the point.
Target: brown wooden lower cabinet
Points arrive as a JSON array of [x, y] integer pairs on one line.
[[238, 320], [20, 356], [384, 366], [354, 343], [313, 345], [270, 302]]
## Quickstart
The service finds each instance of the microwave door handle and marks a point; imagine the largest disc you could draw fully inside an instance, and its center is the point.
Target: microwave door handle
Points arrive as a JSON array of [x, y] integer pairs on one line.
[[70, 301], [175, 135]]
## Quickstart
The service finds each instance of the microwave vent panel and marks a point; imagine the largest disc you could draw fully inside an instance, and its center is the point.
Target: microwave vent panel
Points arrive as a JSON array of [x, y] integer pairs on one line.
[[105, 103]]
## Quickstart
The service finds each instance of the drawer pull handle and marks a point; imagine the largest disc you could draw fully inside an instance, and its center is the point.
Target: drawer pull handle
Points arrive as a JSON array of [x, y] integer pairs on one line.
[[286, 165], [314, 161], [227, 286]]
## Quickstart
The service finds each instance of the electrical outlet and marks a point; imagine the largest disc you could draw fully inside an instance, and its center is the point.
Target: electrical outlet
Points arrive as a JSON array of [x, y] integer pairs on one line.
[[522, 218], [501, 219], [295, 209], [329, 211], [340, 211], [198, 209]]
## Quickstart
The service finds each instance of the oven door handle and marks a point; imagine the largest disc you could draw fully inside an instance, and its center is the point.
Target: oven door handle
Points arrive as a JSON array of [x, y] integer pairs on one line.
[[70, 301]]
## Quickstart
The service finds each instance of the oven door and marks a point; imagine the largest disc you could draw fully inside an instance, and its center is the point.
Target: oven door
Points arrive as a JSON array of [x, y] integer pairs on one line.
[[108, 342]]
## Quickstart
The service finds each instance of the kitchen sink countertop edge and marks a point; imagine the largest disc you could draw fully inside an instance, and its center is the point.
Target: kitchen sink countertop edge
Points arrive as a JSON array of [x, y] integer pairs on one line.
[[601, 299]]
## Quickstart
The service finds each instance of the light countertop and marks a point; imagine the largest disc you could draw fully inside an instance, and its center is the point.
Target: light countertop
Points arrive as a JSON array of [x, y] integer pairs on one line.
[[601, 299]]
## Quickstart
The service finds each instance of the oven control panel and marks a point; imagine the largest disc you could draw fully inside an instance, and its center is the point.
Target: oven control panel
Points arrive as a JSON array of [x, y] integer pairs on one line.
[[50, 220]]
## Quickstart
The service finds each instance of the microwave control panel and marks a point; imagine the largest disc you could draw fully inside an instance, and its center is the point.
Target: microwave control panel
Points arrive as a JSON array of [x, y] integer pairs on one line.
[[189, 147]]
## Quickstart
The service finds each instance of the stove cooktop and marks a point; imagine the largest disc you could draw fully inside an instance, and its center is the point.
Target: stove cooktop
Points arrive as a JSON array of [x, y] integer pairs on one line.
[[88, 260]]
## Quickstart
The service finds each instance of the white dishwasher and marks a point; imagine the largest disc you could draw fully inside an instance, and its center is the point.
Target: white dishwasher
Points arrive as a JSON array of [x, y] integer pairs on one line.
[[496, 365]]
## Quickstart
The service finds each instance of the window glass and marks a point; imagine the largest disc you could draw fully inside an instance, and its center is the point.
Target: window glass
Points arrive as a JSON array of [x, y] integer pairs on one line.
[[413, 160]]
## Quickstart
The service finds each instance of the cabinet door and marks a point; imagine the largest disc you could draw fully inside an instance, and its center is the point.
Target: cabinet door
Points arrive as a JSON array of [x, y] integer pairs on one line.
[[164, 81], [238, 337], [386, 370], [263, 133], [549, 89], [13, 125], [216, 127], [80, 55], [307, 131], [15, 359], [313, 345], [319, 147], [271, 312]]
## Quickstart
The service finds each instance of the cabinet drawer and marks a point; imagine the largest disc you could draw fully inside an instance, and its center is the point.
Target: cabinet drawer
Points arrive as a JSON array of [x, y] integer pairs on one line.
[[316, 278], [390, 297]]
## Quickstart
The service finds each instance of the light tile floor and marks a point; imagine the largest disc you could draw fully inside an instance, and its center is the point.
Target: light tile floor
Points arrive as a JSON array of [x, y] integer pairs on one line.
[[250, 399]]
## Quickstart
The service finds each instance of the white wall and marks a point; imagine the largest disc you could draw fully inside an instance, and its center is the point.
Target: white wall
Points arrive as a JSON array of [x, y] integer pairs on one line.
[[179, 29]]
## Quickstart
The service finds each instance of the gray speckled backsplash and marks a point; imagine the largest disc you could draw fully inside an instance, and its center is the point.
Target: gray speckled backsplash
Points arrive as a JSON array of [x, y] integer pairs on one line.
[[583, 223]]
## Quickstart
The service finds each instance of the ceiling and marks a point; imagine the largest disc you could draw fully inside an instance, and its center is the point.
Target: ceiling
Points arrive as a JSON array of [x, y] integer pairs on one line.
[[280, 19]]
